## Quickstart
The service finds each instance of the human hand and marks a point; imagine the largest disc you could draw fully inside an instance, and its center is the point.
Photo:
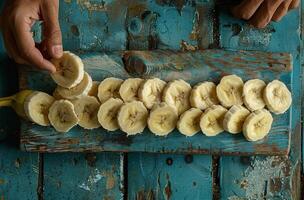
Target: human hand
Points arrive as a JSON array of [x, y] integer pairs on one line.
[[261, 12], [16, 22]]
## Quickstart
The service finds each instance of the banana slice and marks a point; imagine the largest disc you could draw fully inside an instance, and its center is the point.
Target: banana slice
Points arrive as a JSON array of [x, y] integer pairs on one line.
[[56, 95], [62, 116], [86, 109], [253, 94], [277, 97], [211, 121], [107, 114], [129, 89], [176, 94], [203, 95], [94, 89], [257, 125], [150, 92], [108, 88], [189, 122], [69, 70], [162, 119], [230, 91], [132, 117], [234, 119], [78, 91], [36, 107]]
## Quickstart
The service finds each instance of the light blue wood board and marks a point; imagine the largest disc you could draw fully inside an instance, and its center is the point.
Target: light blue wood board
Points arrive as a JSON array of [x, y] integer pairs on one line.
[[83, 176], [265, 177], [193, 67], [162, 176]]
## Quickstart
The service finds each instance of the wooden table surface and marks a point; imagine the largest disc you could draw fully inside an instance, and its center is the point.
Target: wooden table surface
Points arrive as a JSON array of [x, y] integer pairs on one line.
[[146, 25]]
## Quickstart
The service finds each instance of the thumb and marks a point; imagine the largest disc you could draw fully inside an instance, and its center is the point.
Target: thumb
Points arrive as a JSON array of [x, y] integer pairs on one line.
[[51, 28]]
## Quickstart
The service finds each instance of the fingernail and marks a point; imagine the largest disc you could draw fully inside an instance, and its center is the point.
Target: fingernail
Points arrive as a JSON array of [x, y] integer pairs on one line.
[[57, 51]]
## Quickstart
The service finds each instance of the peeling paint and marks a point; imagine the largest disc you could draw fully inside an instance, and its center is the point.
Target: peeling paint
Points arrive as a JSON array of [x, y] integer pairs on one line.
[[87, 4], [167, 189], [91, 180]]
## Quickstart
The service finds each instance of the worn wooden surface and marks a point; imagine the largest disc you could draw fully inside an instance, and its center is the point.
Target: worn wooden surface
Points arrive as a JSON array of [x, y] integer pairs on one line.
[[193, 67], [166, 31]]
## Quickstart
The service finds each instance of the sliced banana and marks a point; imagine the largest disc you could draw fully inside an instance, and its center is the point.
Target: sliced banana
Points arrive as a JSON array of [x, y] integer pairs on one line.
[[56, 95], [69, 70], [162, 119], [108, 88], [176, 94], [277, 97], [211, 121], [129, 89], [132, 117], [257, 125], [203, 95], [36, 107], [107, 114], [230, 91], [94, 89], [234, 119], [62, 116], [253, 94], [150, 92], [78, 91], [86, 109], [189, 122]]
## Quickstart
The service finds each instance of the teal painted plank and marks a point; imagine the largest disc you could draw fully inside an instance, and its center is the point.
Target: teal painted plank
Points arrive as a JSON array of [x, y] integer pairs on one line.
[[18, 172], [155, 176], [265, 177], [192, 67], [83, 176]]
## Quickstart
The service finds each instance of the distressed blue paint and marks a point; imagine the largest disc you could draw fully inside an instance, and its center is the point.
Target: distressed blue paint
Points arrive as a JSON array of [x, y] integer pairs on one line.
[[192, 67], [275, 177], [18, 172], [154, 175], [83, 176]]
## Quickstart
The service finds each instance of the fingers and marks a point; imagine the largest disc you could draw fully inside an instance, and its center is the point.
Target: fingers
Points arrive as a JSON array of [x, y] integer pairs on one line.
[[26, 45], [294, 4], [52, 32], [265, 13], [281, 11], [246, 9]]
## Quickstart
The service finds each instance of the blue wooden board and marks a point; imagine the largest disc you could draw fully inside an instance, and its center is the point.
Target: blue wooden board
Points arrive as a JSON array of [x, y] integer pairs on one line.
[[83, 176], [193, 67], [164, 176]]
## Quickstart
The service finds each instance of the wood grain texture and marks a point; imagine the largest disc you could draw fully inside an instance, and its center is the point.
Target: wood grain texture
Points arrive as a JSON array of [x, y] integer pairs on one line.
[[193, 67], [268, 177], [83, 176], [162, 176]]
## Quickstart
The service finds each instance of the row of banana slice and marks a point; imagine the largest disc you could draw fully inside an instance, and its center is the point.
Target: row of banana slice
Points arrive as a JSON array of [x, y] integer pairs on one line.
[[133, 104]]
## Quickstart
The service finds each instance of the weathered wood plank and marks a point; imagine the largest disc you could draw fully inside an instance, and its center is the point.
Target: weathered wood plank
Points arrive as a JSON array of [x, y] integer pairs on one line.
[[269, 177], [161, 176], [83, 176], [193, 67]]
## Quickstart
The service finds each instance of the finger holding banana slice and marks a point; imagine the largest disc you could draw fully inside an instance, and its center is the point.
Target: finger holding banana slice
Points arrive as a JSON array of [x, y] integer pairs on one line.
[[176, 94], [211, 121], [86, 109], [109, 88], [230, 91], [277, 97], [62, 116], [69, 70], [132, 117], [107, 114], [189, 122], [162, 119], [129, 89]]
